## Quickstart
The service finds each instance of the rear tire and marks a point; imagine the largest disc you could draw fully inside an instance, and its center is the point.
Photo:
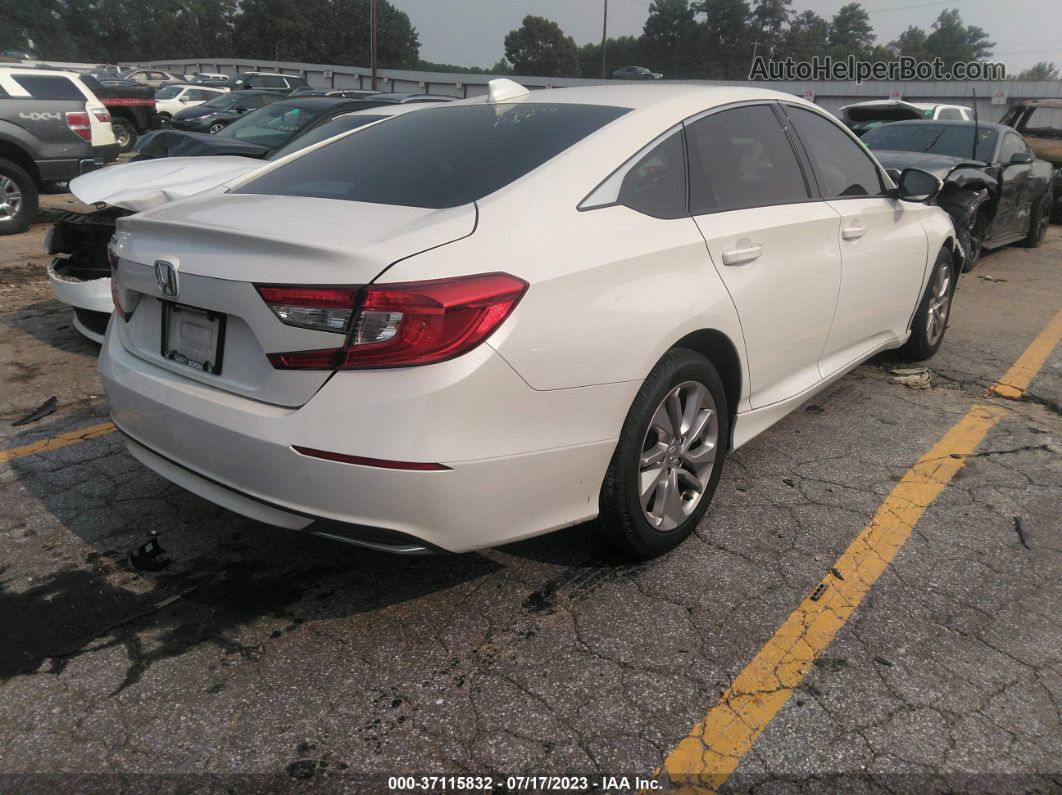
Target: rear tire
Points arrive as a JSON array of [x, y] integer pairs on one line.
[[18, 198], [669, 457], [1039, 221], [125, 134], [931, 320]]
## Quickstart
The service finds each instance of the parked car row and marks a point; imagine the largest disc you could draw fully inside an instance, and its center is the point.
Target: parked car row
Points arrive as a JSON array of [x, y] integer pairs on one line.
[[350, 315]]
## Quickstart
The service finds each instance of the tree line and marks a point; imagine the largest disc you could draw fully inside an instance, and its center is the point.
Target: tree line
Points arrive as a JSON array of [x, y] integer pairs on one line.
[[698, 39], [717, 39]]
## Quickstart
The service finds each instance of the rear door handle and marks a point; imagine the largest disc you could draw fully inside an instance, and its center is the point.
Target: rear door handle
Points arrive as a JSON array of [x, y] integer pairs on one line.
[[745, 251], [853, 231]]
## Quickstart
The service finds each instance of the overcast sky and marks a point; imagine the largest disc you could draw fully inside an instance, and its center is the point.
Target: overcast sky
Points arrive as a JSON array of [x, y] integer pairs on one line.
[[471, 32]]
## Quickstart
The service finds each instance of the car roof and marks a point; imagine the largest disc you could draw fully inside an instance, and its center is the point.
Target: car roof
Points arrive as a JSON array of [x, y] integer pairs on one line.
[[321, 103], [1041, 103], [684, 99]]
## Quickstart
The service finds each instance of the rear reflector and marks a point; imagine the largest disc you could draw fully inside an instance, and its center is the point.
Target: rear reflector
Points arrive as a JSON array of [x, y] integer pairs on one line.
[[369, 462], [78, 121], [404, 324], [102, 115]]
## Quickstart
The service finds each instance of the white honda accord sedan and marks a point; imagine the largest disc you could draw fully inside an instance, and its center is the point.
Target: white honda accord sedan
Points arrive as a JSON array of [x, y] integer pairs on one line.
[[484, 321]]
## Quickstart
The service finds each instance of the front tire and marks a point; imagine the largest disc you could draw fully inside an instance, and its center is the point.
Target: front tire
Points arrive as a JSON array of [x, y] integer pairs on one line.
[[931, 320], [18, 198], [669, 457], [973, 236]]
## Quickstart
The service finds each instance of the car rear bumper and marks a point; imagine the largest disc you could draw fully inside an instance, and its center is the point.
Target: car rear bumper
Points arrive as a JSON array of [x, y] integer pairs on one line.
[[239, 452]]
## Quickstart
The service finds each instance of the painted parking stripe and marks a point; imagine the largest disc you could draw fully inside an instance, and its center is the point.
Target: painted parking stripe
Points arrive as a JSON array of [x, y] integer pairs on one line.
[[705, 758], [56, 442], [1020, 375]]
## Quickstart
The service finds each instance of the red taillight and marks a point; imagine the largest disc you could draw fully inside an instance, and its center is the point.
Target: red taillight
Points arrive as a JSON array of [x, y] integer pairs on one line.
[[318, 308], [102, 115], [78, 121], [413, 323]]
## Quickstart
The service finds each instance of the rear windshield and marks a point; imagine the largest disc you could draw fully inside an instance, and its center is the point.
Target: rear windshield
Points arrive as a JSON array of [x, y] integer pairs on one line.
[[324, 131], [953, 140], [437, 157]]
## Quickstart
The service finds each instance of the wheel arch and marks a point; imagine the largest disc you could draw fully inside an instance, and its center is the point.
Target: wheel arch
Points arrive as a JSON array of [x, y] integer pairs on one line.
[[720, 350], [20, 157]]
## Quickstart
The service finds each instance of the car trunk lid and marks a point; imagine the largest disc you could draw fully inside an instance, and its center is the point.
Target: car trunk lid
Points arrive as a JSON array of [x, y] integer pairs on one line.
[[216, 250]]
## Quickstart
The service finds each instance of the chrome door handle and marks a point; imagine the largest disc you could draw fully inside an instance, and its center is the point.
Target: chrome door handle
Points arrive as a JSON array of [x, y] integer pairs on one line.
[[745, 251], [853, 231]]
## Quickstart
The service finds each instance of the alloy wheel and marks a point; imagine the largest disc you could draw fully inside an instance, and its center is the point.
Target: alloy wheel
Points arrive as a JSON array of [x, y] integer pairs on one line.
[[121, 136], [975, 236], [678, 455], [10, 198], [939, 303]]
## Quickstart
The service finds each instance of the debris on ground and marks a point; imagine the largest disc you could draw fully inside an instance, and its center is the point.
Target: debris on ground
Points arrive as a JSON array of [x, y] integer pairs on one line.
[[913, 377], [149, 556], [1020, 529], [988, 278], [882, 661], [43, 410]]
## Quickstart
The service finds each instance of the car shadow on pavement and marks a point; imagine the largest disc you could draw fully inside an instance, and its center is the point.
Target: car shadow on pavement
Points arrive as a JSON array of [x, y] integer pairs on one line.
[[76, 578], [51, 322]]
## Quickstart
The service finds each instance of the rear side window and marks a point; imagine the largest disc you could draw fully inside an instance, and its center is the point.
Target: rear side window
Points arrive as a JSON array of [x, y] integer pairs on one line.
[[656, 184], [443, 157], [842, 166], [49, 87], [742, 158], [269, 81]]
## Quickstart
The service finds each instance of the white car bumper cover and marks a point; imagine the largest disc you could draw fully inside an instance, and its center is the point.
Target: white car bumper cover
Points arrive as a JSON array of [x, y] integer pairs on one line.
[[522, 461]]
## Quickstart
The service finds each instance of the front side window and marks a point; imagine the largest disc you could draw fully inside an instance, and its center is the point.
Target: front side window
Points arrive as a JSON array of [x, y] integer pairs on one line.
[[656, 184], [169, 92], [741, 158], [1044, 123], [443, 157], [841, 165], [1011, 146]]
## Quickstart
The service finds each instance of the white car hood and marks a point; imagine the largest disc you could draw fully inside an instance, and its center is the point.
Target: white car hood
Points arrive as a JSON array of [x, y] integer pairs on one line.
[[148, 184]]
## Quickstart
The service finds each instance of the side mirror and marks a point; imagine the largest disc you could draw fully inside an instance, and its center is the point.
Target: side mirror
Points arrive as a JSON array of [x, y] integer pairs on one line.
[[916, 185], [1020, 159]]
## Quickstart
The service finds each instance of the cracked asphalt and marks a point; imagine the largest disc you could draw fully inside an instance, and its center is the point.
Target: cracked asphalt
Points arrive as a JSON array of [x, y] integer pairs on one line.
[[259, 657]]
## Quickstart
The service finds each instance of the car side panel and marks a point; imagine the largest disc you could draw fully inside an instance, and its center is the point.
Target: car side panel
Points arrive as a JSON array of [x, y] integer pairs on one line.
[[611, 290]]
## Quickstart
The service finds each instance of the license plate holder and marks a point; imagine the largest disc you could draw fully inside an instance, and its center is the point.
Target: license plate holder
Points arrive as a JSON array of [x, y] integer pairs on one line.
[[193, 337]]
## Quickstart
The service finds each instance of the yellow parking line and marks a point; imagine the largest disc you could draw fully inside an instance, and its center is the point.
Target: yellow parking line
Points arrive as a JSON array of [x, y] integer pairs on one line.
[[55, 442], [706, 757], [1020, 375]]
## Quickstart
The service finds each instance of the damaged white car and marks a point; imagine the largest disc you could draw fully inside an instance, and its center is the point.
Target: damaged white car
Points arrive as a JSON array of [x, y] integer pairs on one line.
[[80, 273]]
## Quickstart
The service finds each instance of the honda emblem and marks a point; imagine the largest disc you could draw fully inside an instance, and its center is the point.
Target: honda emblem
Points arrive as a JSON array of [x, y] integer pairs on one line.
[[166, 276]]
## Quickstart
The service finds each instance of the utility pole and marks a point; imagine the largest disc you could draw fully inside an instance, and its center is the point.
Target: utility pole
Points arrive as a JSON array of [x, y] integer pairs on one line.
[[604, 40], [372, 41]]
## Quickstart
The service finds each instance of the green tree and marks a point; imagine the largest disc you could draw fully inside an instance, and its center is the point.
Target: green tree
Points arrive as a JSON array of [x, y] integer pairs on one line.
[[979, 43], [806, 37], [912, 43], [1041, 71], [770, 19], [726, 40], [950, 39], [668, 37], [539, 47], [851, 32]]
